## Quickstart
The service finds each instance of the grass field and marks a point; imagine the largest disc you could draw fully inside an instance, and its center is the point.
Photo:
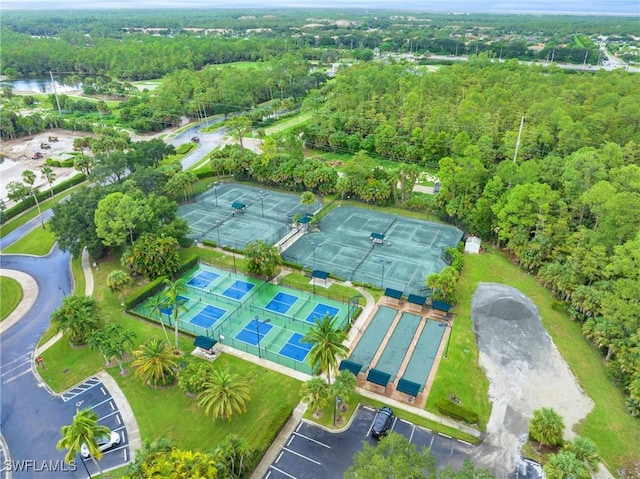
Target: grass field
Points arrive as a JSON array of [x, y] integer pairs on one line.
[[460, 373], [283, 125], [38, 242], [11, 294]]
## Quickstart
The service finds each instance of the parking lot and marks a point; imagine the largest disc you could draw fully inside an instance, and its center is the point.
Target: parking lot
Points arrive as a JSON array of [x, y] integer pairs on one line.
[[313, 453], [92, 394]]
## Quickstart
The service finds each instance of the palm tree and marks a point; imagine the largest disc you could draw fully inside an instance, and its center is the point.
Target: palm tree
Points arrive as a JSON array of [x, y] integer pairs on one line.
[[546, 427], [78, 315], [341, 389], [307, 199], [224, 395], [326, 338], [117, 281], [565, 465], [586, 451], [46, 172], [84, 429], [29, 179], [155, 362], [172, 295], [150, 450], [156, 304], [315, 393]]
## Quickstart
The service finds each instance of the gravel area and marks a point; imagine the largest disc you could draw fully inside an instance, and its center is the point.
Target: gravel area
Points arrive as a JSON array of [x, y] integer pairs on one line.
[[525, 370]]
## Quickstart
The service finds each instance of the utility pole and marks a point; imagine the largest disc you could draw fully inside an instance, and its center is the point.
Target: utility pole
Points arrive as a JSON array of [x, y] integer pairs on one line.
[[518, 140], [55, 93]]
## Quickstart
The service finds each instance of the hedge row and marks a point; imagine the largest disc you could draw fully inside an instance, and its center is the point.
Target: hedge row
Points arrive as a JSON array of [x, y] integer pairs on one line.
[[455, 411], [189, 263], [272, 429], [144, 292], [43, 195], [61, 164]]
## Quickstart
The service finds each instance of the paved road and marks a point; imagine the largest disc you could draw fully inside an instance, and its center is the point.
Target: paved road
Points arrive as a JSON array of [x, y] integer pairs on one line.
[[31, 417]]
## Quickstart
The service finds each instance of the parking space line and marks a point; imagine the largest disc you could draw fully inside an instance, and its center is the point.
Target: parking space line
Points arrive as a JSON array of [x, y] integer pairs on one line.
[[312, 440], [413, 430], [279, 457], [26, 358], [108, 415], [302, 456], [282, 472], [290, 439], [13, 378], [100, 403], [103, 391], [299, 426], [367, 407], [22, 364]]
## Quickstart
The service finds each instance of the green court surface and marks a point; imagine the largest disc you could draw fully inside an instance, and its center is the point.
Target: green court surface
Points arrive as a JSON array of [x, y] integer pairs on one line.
[[424, 353], [251, 315], [373, 336], [400, 340], [267, 215], [409, 252]]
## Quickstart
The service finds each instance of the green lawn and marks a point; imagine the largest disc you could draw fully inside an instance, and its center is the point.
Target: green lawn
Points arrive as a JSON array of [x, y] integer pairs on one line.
[[11, 294], [460, 375], [38, 242], [287, 123], [169, 413]]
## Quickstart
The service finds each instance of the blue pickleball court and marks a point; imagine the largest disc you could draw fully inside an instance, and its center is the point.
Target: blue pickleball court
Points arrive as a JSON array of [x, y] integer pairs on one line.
[[238, 289], [252, 330], [295, 349], [281, 302], [203, 279], [320, 311], [208, 316]]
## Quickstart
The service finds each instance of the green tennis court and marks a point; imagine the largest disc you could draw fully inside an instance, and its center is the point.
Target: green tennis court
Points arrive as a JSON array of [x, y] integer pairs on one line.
[[425, 352], [398, 344], [235, 215], [400, 254]]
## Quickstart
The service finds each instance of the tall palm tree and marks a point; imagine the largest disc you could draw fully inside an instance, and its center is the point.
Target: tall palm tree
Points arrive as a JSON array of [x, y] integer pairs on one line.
[[29, 179], [326, 338], [224, 395], [172, 294], [546, 427], [156, 304], [315, 393], [341, 389], [155, 362], [47, 173], [84, 429]]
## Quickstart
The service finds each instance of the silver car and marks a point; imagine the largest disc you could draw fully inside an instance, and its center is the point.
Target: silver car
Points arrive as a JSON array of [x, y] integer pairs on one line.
[[104, 443]]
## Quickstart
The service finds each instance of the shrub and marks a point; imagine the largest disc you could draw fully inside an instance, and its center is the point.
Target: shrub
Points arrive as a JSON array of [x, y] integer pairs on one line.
[[456, 411], [209, 243], [193, 378], [185, 148], [146, 291], [278, 420]]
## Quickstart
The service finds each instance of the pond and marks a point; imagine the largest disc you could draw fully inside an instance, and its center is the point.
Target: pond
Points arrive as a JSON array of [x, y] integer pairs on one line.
[[42, 85]]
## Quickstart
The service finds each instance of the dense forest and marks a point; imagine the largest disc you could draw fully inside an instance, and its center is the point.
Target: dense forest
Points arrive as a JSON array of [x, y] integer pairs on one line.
[[141, 45], [566, 207]]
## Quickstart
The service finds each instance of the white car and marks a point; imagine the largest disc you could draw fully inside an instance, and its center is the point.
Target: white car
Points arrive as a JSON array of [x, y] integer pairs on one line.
[[104, 443]]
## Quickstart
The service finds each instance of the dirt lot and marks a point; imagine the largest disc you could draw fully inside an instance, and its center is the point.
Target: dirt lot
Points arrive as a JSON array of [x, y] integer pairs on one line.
[[18, 153]]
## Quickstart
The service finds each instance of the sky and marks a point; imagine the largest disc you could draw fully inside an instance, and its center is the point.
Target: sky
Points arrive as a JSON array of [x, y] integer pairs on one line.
[[610, 7]]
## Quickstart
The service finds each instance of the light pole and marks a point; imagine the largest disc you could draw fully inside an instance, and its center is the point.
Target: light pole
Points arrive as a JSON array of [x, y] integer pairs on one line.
[[215, 190], [61, 288], [384, 262], [314, 247], [218, 231], [446, 349], [258, 324], [262, 202]]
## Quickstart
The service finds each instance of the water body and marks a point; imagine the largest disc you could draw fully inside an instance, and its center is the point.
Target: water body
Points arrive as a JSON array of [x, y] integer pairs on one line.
[[42, 85]]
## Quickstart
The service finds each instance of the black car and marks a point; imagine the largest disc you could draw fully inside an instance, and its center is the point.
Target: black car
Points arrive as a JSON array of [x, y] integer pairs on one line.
[[382, 423]]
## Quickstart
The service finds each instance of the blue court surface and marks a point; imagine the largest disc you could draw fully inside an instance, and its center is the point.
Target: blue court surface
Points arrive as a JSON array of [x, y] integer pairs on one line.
[[238, 289], [208, 316], [281, 302], [182, 300], [250, 332], [202, 279], [320, 311], [295, 349]]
